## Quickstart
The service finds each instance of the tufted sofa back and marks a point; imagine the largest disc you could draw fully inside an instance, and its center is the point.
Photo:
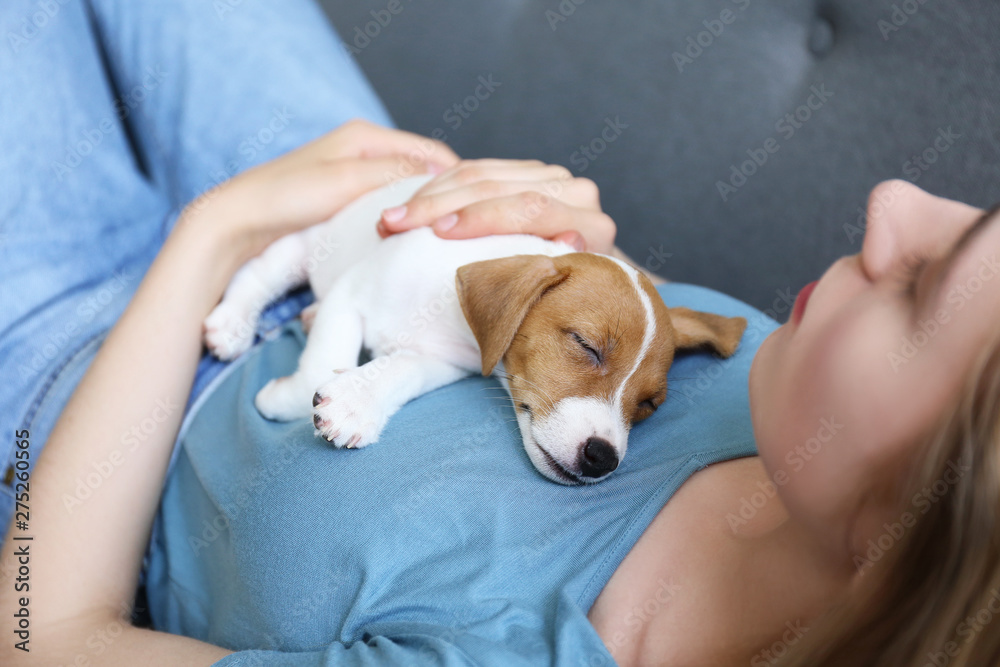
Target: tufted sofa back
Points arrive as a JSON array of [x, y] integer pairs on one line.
[[735, 141]]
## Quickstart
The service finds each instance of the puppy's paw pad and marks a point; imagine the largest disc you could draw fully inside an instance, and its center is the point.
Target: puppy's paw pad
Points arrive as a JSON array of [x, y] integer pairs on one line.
[[282, 400], [228, 332], [347, 415]]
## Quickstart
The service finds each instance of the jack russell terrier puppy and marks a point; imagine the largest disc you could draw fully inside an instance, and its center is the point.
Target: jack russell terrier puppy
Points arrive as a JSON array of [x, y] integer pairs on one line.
[[582, 342]]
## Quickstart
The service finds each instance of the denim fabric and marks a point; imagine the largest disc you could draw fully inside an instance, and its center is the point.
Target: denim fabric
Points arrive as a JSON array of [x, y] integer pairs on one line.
[[113, 115], [439, 544]]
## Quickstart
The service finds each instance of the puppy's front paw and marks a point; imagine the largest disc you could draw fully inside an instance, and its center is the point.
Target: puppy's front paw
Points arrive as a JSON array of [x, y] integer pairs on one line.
[[347, 413], [283, 400], [229, 331]]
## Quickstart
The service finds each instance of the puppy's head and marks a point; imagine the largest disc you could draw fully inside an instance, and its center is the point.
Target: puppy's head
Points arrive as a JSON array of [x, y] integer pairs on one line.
[[586, 343]]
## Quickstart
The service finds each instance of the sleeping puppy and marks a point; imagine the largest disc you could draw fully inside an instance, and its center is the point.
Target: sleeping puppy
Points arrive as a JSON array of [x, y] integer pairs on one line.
[[582, 342]]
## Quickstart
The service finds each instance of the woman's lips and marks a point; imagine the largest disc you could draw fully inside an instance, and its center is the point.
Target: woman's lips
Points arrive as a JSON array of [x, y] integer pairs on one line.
[[801, 301]]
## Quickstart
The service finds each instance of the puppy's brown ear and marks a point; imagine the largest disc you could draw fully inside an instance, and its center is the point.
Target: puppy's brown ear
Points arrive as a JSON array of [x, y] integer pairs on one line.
[[496, 294], [696, 329]]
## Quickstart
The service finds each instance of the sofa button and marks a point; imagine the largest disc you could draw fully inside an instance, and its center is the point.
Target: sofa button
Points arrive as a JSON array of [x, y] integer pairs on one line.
[[821, 38]]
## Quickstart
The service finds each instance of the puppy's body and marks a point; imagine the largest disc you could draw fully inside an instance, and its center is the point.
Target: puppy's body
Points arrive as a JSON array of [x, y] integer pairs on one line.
[[592, 357]]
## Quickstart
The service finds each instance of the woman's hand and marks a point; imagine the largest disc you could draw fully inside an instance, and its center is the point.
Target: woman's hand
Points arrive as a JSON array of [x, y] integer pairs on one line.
[[480, 197], [310, 184]]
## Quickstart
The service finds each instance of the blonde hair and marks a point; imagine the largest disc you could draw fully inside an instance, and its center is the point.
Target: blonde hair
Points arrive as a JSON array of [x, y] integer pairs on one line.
[[933, 600]]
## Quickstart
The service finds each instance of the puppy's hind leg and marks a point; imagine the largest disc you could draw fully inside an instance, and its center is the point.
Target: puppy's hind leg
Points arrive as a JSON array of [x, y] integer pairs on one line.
[[229, 329], [334, 343]]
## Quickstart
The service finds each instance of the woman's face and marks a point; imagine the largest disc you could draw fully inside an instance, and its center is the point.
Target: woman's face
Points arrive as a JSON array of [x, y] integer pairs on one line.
[[871, 357]]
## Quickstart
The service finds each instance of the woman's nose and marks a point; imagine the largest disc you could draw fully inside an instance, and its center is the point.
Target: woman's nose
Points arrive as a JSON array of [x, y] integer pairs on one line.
[[903, 221]]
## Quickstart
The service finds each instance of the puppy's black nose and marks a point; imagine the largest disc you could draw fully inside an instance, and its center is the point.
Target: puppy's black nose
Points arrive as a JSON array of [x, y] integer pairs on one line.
[[598, 458]]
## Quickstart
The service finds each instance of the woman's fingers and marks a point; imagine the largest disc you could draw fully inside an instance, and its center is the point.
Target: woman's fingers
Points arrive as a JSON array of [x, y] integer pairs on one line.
[[468, 172], [279, 199], [531, 213], [362, 139], [572, 238], [438, 208]]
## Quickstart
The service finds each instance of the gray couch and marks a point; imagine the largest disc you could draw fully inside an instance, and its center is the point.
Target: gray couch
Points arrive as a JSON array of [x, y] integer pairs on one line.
[[735, 141]]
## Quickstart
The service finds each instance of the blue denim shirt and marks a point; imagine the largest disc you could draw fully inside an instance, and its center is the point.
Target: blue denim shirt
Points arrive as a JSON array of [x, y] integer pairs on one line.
[[439, 544], [115, 116]]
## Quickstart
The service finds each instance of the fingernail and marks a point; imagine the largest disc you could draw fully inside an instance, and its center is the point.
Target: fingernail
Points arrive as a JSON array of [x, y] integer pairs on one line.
[[435, 169], [394, 214], [578, 243], [382, 230], [445, 223]]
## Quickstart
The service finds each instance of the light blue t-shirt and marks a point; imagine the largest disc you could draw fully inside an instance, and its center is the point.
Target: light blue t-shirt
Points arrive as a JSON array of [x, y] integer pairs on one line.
[[440, 544]]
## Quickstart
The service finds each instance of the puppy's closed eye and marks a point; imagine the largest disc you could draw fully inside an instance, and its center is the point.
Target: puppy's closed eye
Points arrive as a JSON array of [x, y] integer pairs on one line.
[[645, 408], [596, 357]]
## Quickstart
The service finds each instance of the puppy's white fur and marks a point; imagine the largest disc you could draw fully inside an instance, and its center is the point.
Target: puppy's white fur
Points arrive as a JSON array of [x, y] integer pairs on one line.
[[398, 298]]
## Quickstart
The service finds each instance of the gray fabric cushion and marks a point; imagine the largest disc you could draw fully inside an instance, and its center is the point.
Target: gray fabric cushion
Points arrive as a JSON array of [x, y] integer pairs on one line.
[[885, 78]]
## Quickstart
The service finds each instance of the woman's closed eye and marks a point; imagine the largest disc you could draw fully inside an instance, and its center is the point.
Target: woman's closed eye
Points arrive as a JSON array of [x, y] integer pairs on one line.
[[919, 267]]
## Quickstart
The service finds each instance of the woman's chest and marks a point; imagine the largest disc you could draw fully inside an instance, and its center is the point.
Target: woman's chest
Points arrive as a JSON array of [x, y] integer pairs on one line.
[[710, 582]]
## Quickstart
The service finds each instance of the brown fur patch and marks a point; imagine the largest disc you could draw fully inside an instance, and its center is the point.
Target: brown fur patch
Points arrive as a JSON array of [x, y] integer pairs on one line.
[[598, 303], [540, 315]]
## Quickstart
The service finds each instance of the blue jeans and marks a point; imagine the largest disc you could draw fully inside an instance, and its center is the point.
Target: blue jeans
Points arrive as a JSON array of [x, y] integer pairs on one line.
[[114, 114]]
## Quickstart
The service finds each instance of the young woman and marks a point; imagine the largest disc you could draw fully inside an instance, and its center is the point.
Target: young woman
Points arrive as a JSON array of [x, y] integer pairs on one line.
[[863, 533]]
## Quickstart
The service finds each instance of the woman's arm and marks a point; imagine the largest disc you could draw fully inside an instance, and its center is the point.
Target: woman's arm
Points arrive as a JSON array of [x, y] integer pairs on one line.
[[84, 557]]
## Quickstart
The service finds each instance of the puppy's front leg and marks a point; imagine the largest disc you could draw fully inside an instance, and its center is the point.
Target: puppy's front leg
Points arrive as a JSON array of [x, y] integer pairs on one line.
[[230, 327], [334, 343], [353, 408]]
